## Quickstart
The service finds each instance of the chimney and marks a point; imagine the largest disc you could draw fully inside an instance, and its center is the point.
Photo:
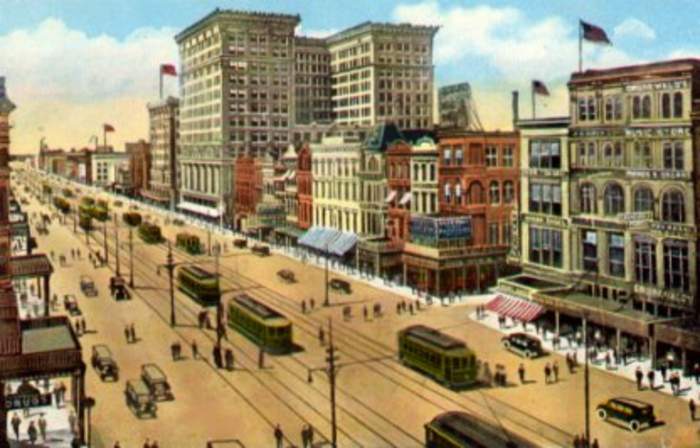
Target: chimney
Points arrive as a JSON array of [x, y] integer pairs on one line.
[[515, 105]]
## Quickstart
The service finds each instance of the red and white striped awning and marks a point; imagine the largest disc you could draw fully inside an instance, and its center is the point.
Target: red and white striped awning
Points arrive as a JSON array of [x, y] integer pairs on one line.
[[515, 308]]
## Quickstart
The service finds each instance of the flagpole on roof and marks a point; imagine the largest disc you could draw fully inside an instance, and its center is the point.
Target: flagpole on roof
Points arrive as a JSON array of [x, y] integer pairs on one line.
[[580, 46], [532, 94], [160, 74]]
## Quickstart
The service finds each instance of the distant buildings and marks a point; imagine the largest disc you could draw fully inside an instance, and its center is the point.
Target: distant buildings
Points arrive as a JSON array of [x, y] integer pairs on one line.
[[105, 165], [139, 165], [163, 137]]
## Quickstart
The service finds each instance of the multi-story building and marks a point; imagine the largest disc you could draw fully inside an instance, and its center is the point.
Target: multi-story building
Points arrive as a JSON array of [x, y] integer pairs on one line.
[[163, 134], [289, 233], [104, 167], [424, 177], [236, 98], [624, 260], [383, 72], [247, 192], [78, 165], [312, 81], [139, 165], [398, 167], [304, 188]]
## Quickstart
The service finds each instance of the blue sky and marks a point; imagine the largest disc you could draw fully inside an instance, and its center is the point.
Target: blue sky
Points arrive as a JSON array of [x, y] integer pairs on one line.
[[91, 61]]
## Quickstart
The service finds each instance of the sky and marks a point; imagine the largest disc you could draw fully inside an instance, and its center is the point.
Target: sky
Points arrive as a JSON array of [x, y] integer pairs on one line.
[[72, 65]]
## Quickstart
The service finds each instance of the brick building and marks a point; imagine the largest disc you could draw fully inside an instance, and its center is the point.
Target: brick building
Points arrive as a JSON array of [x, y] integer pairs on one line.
[[247, 190], [139, 165], [304, 188]]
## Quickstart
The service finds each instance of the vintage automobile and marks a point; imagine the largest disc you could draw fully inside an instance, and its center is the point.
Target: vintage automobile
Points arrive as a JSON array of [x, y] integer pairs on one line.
[[633, 414], [139, 398], [240, 243], [260, 249], [103, 362], [286, 275], [523, 344], [340, 285], [156, 382], [117, 288], [87, 286], [71, 305]]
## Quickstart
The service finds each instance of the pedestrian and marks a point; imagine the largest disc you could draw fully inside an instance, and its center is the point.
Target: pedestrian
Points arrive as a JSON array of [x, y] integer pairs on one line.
[[650, 378], [127, 334], [216, 355], [147, 444], [410, 308], [229, 359], [321, 336], [117, 445], [77, 253], [132, 332], [42, 427], [261, 359], [568, 363], [577, 441], [398, 308], [555, 371], [310, 434], [83, 325], [364, 311], [304, 437], [303, 306], [279, 436], [16, 422], [595, 444], [63, 392], [676, 383], [547, 373], [556, 343], [664, 369], [32, 433], [607, 360], [57, 395], [521, 373], [639, 376], [195, 350], [691, 408], [154, 444], [696, 373]]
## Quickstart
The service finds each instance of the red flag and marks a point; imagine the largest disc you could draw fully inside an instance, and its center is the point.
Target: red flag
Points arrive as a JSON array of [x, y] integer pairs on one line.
[[108, 127], [539, 88], [168, 69], [593, 33]]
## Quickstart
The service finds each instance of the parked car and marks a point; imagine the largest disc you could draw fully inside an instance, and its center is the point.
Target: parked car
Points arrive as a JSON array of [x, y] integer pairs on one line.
[[117, 288], [340, 285], [286, 275], [261, 249], [87, 286], [630, 412], [71, 305], [240, 243], [103, 362], [139, 398], [157, 382], [523, 344]]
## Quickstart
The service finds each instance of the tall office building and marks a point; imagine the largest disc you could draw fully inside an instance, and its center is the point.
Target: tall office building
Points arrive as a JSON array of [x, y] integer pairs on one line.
[[312, 81], [164, 136], [383, 72], [236, 98]]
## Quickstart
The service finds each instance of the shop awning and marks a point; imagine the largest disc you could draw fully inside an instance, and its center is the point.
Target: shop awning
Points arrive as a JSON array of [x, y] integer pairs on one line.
[[515, 308], [391, 196], [320, 238], [199, 209], [405, 199], [343, 244]]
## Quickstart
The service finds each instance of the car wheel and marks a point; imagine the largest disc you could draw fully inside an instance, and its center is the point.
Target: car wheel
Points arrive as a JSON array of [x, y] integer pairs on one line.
[[634, 426], [506, 344], [602, 414], [529, 355]]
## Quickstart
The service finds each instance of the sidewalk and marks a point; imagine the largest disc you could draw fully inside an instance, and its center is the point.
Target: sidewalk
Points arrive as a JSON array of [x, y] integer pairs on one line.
[[688, 387]]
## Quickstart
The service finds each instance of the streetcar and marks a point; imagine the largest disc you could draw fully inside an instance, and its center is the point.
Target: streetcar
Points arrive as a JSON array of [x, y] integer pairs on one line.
[[199, 284], [267, 328], [444, 358], [462, 430]]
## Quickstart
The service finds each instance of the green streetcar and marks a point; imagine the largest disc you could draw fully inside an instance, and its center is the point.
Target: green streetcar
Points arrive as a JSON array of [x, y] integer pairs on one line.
[[446, 359], [199, 284], [264, 326], [462, 430]]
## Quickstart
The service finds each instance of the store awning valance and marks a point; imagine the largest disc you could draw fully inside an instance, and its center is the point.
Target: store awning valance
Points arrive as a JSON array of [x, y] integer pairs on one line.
[[343, 244], [391, 196], [405, 199], [199, 209], [328, 240], [515, 308]]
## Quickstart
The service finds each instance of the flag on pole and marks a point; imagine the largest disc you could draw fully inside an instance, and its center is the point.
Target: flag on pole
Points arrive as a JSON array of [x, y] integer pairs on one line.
[[593, 33], [108, 127], [539, 88], [168, 69]]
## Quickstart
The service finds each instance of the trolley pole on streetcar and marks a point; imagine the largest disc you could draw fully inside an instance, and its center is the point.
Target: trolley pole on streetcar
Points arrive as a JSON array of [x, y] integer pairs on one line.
[[331, 371], [116, 237], [104, 238], [170, 266], [326, 302], [131, 257], [219, 305]]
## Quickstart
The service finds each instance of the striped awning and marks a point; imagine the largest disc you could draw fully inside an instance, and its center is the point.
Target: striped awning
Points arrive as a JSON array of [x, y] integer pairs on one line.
[[515, 308]]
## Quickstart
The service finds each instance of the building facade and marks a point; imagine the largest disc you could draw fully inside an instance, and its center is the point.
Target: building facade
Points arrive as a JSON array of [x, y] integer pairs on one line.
[[312, 81], [383, 72], [247, 192], [304, 188], [104, 167], [163, 137], [139, 165], [424, 177]]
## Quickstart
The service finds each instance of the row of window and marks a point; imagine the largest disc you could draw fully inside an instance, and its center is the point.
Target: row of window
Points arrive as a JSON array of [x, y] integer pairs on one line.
[[492, 156], [672, 201], [452, 193], [612, 154], [671, 106]]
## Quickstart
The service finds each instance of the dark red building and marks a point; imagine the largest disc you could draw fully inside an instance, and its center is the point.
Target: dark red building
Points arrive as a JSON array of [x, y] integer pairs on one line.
[[398, 163], [247, 192], [304, 188], [139, 165]]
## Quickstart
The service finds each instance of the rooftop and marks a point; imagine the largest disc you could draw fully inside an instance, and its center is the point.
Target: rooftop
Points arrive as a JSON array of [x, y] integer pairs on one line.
[[36, 340], [548, 122], [373, 27], [639, 71], [434, 337], [6, 106], [218, 13]]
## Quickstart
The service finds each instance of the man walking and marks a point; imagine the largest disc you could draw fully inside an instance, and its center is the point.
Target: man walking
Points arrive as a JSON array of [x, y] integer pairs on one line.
[[639, 376], [664, 369], [650, 377], [195, 350], [555, 371], [521, 373], [42, 427], [16, 422], [691, 408], [127, 334], [32, 433], [547, 373], [132, 333], [279, 436], [261, 359]]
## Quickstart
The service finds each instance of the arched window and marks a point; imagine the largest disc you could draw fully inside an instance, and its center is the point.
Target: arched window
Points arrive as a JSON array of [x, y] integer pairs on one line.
[[636, 107], [475, 194], [677, 105], [448, 192], [646, 106], [591, 108], [422, 173], [643, 200], [587, 192], [508, 192], [673, 206], [666, 105], [494, 193], [458, 193], [608, 154], [614, 199], [373, 164]]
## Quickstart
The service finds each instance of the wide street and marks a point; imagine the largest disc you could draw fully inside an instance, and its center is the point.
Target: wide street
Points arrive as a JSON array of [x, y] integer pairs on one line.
[[379, 401]]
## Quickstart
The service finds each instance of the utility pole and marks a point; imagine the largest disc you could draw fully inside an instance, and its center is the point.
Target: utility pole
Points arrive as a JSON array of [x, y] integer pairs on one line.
[[116, 237], [331, 371], [586, 383], [326, 302], [170, 266], [131, 257], [104, 238]]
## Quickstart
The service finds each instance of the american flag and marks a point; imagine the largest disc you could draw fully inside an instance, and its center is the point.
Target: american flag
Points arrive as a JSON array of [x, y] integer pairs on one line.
[[539, 88], [593, 33]]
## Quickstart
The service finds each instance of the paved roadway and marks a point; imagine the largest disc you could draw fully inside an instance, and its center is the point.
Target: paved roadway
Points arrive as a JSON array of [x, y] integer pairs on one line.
[[380, 403]]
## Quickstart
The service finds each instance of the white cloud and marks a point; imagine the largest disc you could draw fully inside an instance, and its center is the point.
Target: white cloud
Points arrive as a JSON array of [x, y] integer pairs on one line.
[[320, 33], [505, 39], [58, 75], [635, 28]]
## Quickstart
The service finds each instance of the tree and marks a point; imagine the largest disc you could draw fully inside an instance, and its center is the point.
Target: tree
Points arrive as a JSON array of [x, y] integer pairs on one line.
[[62, 205], [150, 233], [132, 219], [67, 192]]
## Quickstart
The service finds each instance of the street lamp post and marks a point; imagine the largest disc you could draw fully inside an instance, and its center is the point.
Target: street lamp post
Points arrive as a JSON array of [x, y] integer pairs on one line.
[[131, 257], [116, 237], [170, 266], [104, 238], [326, 302], [331, 371], [89, 403], [586, 383]]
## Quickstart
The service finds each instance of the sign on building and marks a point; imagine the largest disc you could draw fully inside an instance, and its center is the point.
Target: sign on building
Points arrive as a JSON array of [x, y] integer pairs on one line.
[[454, 102], [431, 230]]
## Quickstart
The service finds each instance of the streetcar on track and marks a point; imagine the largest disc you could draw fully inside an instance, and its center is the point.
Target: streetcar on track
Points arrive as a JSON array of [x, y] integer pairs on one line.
[[446, 359], [199, 284], [264, 326], [462, 430]]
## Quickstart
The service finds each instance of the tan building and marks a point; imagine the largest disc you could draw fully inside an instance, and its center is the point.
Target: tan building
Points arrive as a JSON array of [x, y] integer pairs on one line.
[[383, 72], [164, 129], [312, 81]]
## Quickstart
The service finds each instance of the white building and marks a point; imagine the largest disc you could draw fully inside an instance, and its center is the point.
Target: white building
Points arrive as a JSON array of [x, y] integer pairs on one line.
[[105, 166]]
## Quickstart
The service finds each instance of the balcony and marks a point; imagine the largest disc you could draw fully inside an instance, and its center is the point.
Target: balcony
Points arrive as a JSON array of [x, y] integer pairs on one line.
[[382, 246]]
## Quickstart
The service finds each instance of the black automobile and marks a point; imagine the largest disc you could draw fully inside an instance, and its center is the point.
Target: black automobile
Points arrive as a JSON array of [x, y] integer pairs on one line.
[[261, 250], [523, 344], [240, 243], [103, 363], [633, 414], [340, 285]]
